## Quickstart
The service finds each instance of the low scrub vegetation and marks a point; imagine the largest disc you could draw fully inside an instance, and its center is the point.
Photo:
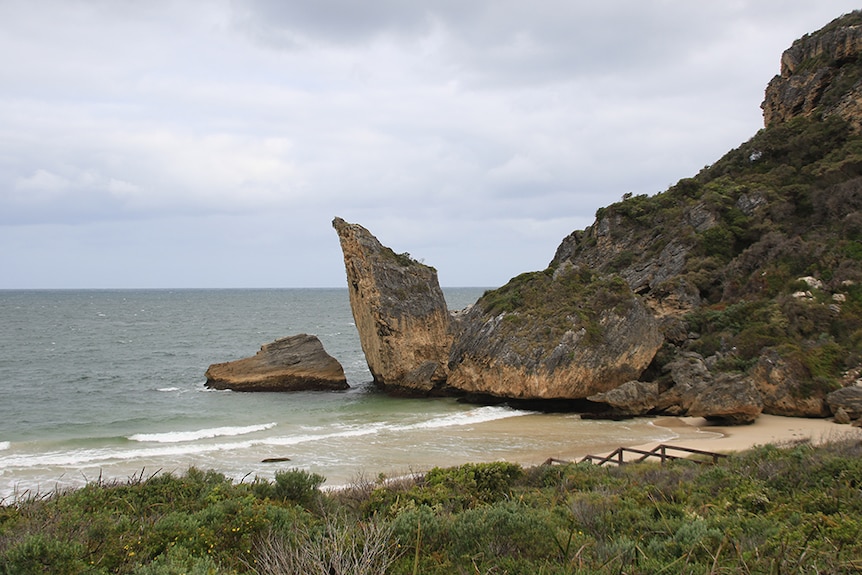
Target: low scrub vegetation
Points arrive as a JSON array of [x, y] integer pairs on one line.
[[555, 300], [790, 509]]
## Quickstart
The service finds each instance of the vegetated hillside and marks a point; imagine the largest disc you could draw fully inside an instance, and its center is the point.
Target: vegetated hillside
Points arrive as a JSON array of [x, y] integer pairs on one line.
[[755, 263]]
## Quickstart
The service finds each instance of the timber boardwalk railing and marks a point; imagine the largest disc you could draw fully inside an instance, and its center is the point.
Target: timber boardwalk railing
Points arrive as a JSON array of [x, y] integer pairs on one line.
[[618, 456]]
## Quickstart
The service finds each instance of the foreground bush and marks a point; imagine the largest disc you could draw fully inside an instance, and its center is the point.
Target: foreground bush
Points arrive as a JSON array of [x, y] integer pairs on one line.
[[796, 509]]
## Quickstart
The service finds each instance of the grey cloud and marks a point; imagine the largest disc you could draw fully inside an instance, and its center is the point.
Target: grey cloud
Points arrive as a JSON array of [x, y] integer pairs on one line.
[[183, 133], [499, 42]]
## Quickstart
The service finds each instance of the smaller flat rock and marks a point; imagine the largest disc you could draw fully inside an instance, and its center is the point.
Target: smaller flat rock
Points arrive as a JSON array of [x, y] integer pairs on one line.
[[295, 363]]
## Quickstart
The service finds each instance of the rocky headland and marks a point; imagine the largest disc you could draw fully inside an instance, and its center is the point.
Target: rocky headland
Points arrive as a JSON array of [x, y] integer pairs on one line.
[[735, 292]]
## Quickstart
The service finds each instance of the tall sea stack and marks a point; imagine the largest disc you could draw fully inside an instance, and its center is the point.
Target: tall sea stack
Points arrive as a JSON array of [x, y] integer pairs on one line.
[[400, 313]]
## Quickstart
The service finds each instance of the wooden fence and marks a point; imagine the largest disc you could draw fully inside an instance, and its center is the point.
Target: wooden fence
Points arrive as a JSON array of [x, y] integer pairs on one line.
[[661, 452]]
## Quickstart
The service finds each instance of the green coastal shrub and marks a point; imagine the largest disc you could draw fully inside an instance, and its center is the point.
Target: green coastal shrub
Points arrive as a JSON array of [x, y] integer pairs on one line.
[[179, 561], [476, 482], [504, 529], [43, 554], [298, 485]]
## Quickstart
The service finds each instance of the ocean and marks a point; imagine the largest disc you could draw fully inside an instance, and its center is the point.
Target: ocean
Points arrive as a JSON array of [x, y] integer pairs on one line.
[[102, 385]]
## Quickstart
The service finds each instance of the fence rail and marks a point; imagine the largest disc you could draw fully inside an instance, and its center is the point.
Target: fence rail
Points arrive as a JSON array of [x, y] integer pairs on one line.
[[661, 452]]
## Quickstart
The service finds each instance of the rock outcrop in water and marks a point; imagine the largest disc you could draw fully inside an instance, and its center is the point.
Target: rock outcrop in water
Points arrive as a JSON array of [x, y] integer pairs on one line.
[[296, 363], [399, 311]]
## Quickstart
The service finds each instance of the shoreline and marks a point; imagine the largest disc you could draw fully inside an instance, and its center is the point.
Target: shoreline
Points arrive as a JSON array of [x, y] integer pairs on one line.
[[689, 432], [530, 440], [766, 429], [698, 433]]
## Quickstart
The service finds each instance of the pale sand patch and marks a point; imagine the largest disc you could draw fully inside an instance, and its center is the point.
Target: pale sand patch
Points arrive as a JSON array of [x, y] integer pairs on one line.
[[767, 429], [698, 433]]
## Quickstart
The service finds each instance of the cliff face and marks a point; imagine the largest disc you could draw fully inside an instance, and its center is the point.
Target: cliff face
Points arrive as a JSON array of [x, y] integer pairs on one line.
[[753, 265], [819, 73], [400, 313]]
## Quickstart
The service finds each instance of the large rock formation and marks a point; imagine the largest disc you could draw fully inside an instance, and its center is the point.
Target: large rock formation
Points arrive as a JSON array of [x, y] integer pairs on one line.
[[819, 73], [736, 291], [731, 398], [557, 334], [400, 313], [631, 398], [296, 363]]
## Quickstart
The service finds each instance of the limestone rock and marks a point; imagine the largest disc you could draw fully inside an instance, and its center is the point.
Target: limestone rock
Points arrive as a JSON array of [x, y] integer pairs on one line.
[[847, 398], [295, 363], [731, 398], [560, 334], [690, 377], [842, 417], [631, 398], [612, 244], [784, 386], [399, 311], [819, 72]]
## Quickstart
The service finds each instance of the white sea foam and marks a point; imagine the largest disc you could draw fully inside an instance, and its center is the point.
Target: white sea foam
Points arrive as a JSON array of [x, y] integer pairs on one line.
[[347, 431], [4, 445], [180, 444], [181, 436], [168, 389], [85, 457], [474, 416]]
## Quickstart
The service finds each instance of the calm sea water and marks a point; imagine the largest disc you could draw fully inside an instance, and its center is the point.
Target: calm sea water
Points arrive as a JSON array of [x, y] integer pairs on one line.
[[110, 384]]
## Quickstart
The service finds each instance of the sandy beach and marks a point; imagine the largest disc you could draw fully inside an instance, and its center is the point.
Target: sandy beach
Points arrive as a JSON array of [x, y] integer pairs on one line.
[[698, 433], [559, 442]]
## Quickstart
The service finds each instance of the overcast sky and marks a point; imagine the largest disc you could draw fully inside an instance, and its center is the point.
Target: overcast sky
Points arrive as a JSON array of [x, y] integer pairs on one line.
[[210, 143]]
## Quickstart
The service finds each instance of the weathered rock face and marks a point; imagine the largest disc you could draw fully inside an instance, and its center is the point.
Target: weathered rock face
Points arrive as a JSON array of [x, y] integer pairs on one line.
[[553, 335], [848, 400], [296, 363], [400, 313], [631, 398], [613, 245], [815, 74], [731, 398], [783, 385], [690, 377]]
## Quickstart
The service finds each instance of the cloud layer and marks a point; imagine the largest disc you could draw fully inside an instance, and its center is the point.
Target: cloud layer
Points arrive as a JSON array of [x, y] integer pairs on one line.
[[209, 144]]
